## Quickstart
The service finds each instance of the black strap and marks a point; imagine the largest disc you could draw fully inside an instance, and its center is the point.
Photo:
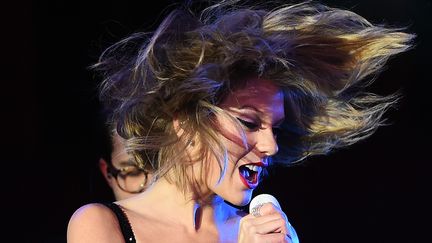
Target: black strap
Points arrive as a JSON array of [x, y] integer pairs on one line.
[[125, 226]]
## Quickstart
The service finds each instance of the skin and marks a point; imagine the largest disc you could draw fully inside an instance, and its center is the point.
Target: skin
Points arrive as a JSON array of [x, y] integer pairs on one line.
[[119, 159], [178, 217], [259, 107]]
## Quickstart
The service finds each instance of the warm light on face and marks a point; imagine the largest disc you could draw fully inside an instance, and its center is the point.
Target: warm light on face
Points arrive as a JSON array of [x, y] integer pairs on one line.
[[258, 109]]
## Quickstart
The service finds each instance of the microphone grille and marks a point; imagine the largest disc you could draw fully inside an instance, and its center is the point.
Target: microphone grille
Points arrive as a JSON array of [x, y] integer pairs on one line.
[[261, 199]]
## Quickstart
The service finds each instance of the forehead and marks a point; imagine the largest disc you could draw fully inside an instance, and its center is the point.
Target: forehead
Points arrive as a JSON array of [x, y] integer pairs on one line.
[[261, 94]]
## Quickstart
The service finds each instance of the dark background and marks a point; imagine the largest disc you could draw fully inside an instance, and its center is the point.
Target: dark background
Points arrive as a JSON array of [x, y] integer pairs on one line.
[[374, 191]]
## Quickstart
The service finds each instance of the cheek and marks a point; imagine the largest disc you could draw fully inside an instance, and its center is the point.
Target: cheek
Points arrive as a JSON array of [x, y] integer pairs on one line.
[[219, 171], [219, 180], [235, 141], [210, 171], [238, 146]]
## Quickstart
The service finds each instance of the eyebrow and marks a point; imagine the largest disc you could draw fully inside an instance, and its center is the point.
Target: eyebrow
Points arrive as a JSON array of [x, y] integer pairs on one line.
[[260, 113]]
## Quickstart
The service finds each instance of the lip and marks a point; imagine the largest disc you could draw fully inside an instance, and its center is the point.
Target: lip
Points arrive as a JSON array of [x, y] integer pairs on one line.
[[246, 182]]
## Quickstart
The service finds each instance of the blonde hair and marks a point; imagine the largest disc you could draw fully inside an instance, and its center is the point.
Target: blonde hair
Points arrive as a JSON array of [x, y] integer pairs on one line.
[[322, 58]]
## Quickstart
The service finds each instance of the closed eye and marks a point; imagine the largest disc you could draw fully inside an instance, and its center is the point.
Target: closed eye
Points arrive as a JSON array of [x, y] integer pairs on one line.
[[249, 125]]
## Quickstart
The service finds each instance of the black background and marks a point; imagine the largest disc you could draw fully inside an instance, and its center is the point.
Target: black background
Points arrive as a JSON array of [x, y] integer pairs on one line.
[[374, 191]]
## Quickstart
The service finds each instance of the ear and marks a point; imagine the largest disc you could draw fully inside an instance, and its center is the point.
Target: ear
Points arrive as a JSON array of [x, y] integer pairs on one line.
[[103, 166]]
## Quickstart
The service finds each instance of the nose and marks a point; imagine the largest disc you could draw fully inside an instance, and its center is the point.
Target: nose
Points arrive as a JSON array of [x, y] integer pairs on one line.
[[266, 142]]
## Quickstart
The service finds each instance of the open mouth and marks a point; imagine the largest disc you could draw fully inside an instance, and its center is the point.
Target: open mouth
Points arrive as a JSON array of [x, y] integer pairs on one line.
[[249, 175]]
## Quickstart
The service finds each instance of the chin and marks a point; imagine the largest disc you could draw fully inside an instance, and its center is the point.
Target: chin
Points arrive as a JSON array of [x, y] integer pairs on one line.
[[240, 201]]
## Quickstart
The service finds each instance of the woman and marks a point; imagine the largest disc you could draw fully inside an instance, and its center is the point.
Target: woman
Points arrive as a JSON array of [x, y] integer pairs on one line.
[[121, 173], [211, 101]]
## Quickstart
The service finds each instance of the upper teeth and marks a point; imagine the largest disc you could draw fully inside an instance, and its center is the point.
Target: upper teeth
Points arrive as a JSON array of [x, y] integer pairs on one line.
[[253, 167]]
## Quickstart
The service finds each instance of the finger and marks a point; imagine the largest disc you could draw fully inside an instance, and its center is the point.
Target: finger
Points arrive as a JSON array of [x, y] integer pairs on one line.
[[275, 238], [278, 225], [263, 219], [265, 209], [251, 229], [268, 209]]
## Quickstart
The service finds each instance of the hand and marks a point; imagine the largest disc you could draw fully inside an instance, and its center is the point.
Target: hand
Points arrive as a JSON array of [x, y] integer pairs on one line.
[[269, 225]]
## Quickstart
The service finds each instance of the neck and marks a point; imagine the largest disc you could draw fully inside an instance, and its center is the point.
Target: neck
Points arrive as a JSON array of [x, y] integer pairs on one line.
[[187, 208]]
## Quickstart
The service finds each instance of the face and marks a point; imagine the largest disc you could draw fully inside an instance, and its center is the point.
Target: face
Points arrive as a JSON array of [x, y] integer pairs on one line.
[[133, 179], [259, 108]]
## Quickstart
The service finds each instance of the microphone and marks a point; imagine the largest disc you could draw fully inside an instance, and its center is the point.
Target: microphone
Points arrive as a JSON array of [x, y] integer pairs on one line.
[[259, 200], [256, 204]]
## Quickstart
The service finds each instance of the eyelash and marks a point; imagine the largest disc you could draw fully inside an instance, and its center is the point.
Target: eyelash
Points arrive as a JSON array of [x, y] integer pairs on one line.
[[249, 125], [253, 126]]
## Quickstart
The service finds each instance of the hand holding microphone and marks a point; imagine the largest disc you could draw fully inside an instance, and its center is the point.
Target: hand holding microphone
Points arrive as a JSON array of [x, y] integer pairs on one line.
[[266, 222]]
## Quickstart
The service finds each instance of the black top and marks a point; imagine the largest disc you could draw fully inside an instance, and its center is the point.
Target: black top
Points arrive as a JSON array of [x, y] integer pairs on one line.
[[125, 226]]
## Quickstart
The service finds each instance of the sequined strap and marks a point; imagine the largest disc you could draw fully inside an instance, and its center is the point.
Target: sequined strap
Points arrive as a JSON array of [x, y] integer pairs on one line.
[[125, 226]]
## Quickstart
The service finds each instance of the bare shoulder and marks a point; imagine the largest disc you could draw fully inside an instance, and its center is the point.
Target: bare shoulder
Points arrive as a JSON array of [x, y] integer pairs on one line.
[[93, 223]]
